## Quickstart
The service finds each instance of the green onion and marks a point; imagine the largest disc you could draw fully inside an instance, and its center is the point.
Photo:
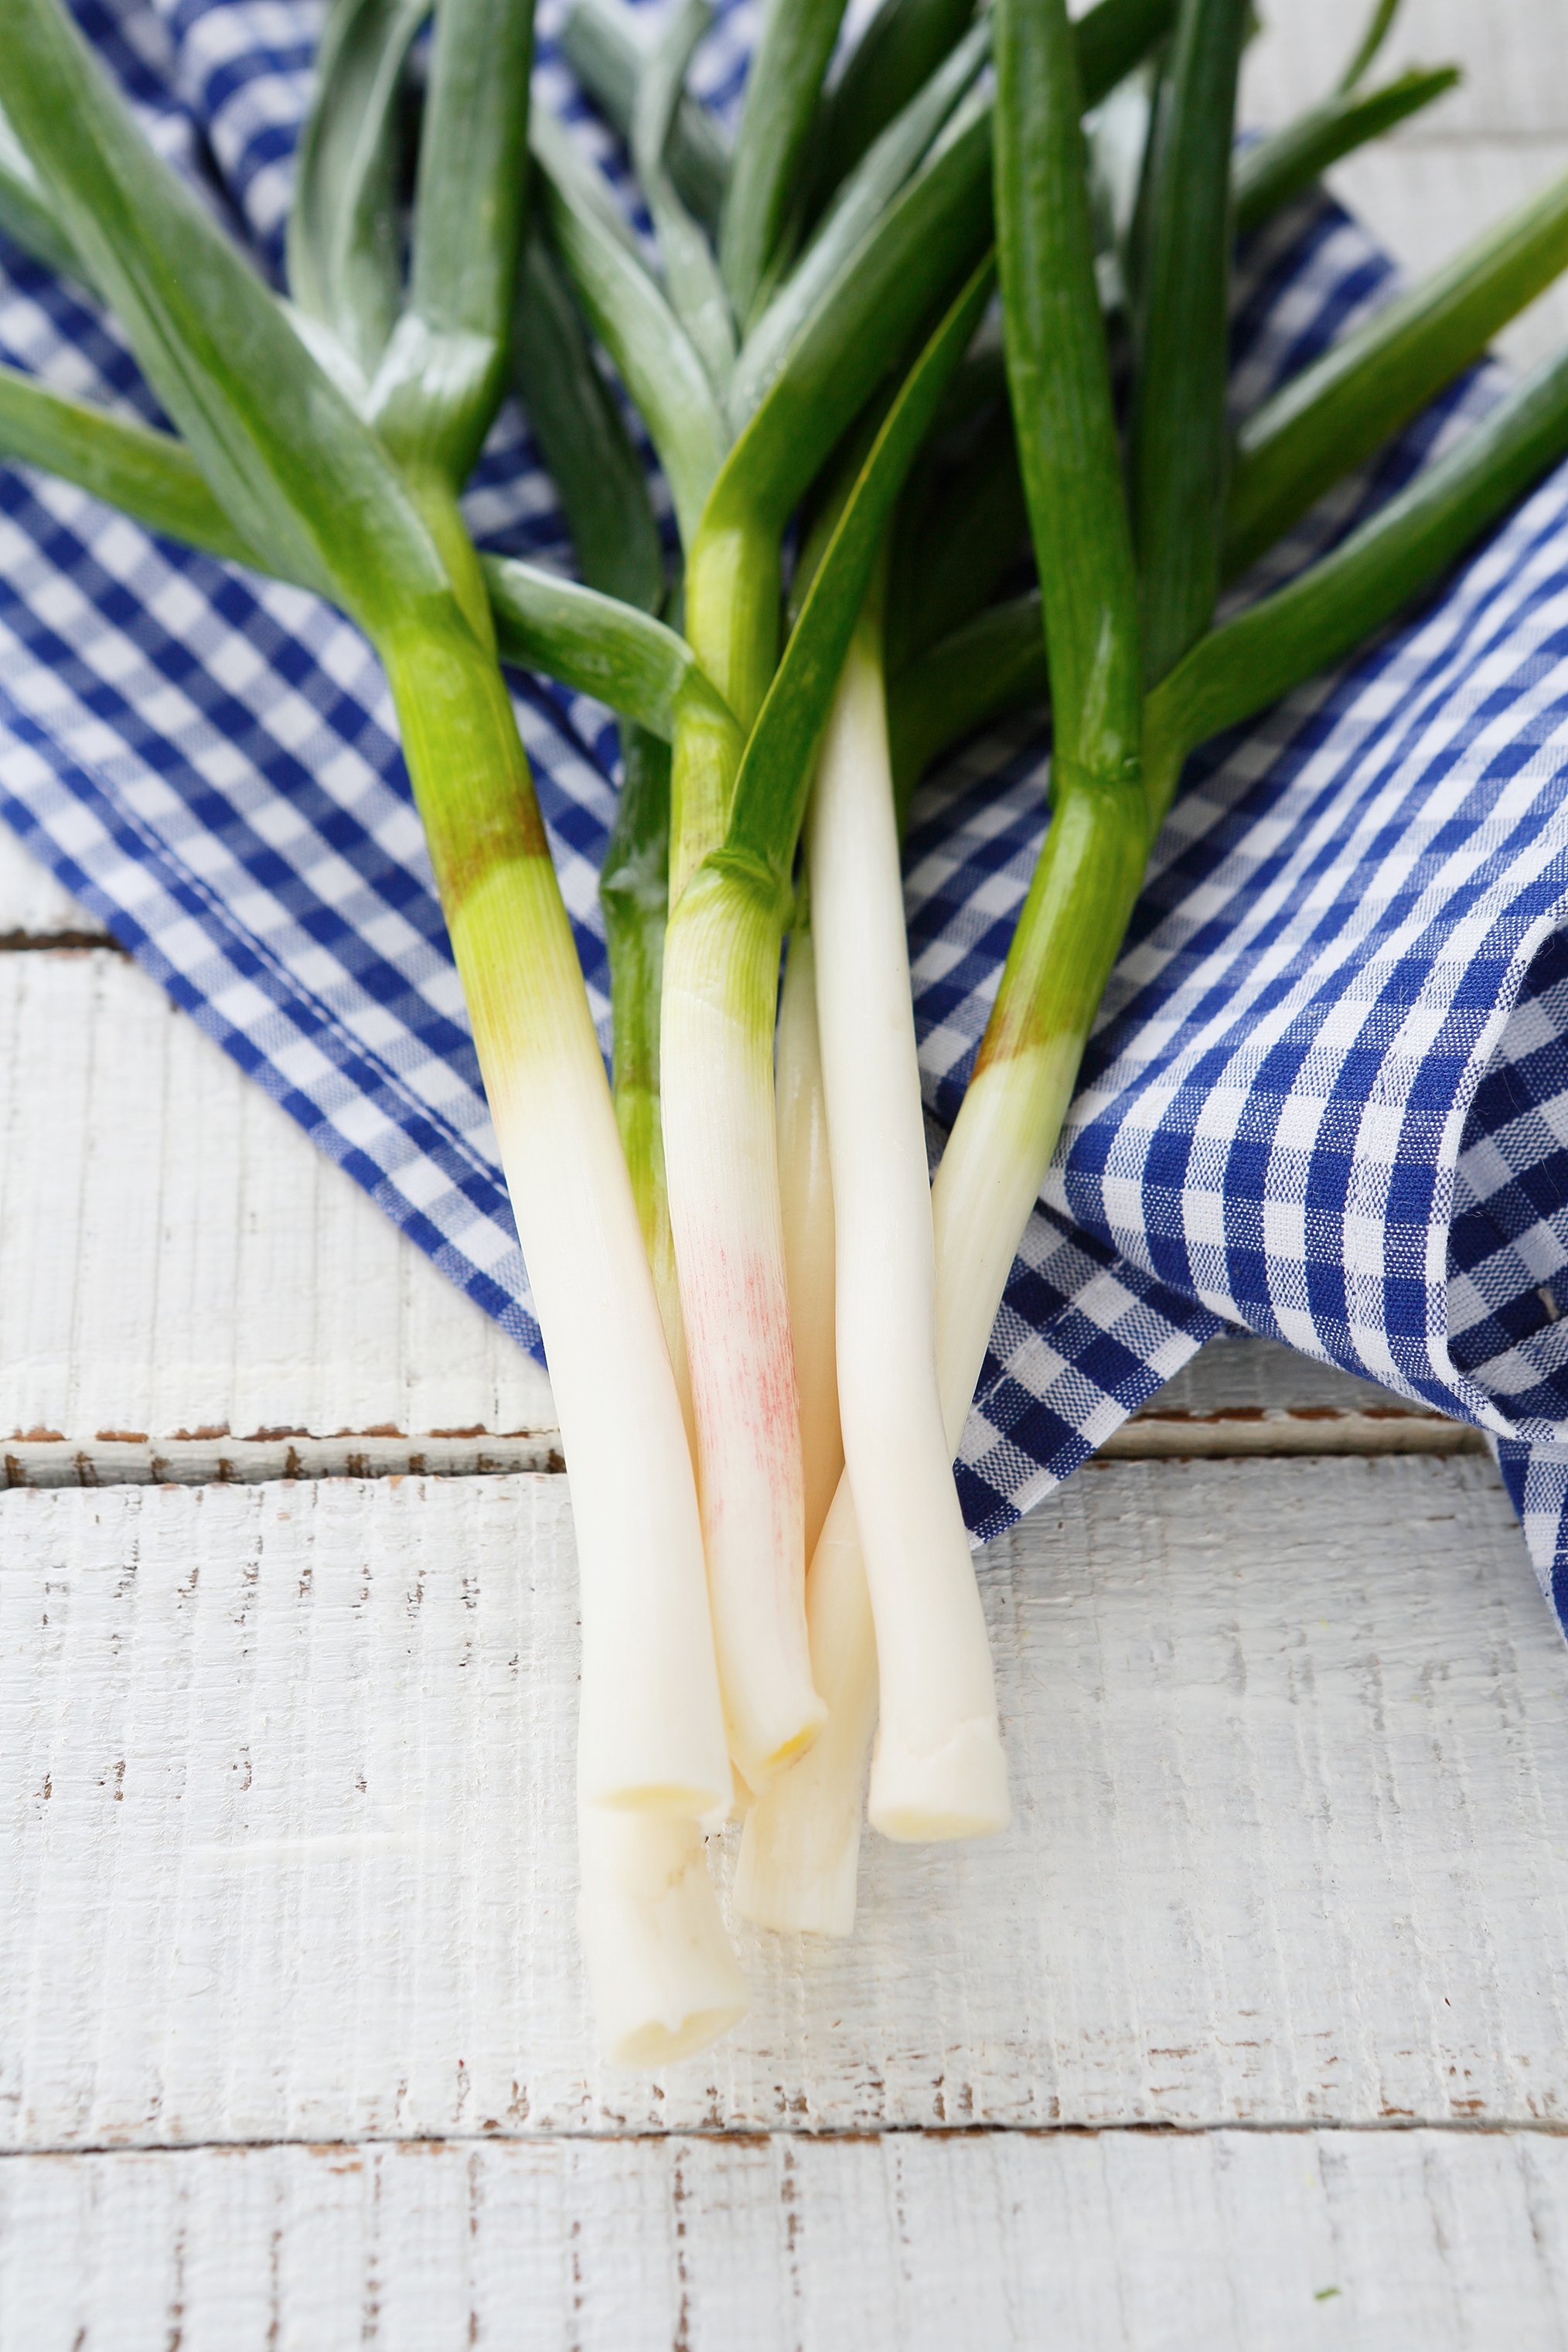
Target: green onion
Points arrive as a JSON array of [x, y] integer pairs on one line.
[[1397, 555], [600, 481], [772, 1217], [344, 247], [896, 56], [1339, 411], [721, 959], [1180, 442], [633, 319], [954, 557], [308, 485], [1273, 170], [781, 92], [606, 45]]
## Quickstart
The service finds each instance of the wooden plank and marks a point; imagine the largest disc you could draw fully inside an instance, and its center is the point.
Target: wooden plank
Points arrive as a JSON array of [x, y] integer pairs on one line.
[[181, 1272], [178, 1262], [1413, 2242], [1514, 54], [287, 1837]]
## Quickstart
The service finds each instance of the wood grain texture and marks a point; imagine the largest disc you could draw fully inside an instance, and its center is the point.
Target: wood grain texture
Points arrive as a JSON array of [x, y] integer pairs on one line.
[[283, 1852], [178, 1261], [1441, 178], [1229, 2242], [287, 1848]]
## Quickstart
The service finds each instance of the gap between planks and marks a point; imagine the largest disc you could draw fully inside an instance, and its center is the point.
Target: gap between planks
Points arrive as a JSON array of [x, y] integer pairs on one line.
[[1249, 1434], [287, 1848], [720, 2135]]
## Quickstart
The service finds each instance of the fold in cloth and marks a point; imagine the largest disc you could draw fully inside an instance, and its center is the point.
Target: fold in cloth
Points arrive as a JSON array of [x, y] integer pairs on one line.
[[1328, 1097]]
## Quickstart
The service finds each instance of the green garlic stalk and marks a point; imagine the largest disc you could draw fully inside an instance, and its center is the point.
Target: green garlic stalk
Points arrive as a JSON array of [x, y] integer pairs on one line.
[[307, 485]]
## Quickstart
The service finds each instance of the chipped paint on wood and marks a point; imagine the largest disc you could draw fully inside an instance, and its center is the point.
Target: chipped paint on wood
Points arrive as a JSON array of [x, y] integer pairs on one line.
[[287, 1848], [1413, 2242]]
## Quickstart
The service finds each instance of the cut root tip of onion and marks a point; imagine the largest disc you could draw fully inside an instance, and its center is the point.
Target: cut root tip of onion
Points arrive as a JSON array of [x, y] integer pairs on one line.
[[760, 1775], [956, 1790], [664, 1980]]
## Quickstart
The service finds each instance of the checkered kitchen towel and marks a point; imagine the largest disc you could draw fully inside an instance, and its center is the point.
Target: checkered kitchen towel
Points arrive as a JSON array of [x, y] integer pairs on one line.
[[1329, 1098]]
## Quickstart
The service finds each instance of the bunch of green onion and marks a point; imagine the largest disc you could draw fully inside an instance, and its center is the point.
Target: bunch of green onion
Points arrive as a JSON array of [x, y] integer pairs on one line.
[[899, 515]]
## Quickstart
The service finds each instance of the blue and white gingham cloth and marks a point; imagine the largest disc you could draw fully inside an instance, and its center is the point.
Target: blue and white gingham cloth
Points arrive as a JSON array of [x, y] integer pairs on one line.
[[1328, 1101]]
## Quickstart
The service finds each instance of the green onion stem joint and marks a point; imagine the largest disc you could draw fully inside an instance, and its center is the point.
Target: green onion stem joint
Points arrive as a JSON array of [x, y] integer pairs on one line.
[[441, 377], [344, 240]]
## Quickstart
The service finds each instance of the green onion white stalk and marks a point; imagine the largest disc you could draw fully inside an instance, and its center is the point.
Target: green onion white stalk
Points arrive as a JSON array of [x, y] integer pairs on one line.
[[805, 1205], [938, 1768], [732, 859]]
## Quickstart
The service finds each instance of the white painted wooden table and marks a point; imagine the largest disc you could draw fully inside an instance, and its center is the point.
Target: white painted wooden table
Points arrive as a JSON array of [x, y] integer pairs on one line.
[[1251, 2033]]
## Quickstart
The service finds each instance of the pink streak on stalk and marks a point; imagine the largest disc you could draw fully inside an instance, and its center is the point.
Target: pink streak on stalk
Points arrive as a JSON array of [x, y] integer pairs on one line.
[[743, 1292]]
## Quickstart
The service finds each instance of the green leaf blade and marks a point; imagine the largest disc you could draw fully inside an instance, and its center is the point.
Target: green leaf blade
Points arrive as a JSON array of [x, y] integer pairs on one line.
[[344, 247], [441, 379], [1060, 380], [606, 48], [1273, 170], [302, 479], [628, 313], [1396, 557], [904, 46], [587, 451], [782, 88], [768, 803], [147, 475], [691, 273], [1180, 440], [595, 645], [1338, 412]]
